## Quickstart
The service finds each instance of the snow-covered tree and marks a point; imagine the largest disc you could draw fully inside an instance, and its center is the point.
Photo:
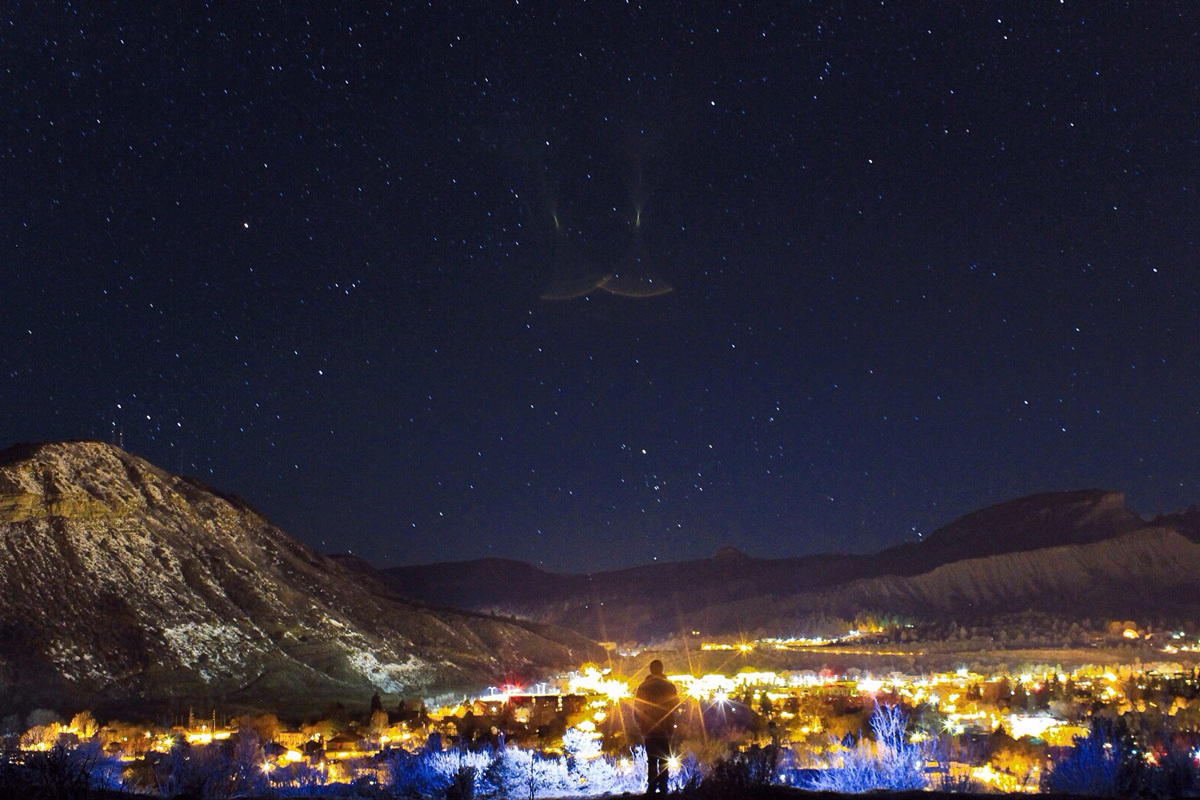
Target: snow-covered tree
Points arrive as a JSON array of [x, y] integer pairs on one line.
[[892, 762], [431, 773], [588, 771], [524, 775]]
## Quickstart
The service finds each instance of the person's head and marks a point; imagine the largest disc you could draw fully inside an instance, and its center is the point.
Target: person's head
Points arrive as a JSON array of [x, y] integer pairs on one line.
[[656, 667]]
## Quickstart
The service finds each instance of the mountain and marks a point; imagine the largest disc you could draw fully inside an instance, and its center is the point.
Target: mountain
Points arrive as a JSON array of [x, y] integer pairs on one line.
[[1068, 552], [1151, 572], [484, 584], [125, 587], [1027, 523]]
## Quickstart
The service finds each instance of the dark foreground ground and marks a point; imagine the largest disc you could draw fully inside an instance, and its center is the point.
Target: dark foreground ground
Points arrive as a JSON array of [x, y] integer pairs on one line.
[[768, 793]]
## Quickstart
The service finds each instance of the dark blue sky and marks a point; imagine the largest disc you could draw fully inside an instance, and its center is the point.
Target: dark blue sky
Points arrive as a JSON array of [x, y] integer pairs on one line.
[[925, 257]]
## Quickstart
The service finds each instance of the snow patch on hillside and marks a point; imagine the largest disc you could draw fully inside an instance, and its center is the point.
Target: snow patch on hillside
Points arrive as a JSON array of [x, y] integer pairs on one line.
[[392, 678], [209, 649], [75, 663]]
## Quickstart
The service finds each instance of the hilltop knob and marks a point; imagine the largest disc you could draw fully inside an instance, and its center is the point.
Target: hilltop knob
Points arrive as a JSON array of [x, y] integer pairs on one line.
[[730, 553]]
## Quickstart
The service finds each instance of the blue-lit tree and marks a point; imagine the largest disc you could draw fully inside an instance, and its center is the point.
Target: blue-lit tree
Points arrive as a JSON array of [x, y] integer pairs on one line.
[[1106, 762], [432, 773], [890, 762], [519, 774]]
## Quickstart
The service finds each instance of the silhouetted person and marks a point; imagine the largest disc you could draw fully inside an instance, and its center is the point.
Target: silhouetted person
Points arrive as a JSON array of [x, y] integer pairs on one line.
[[654, 707]]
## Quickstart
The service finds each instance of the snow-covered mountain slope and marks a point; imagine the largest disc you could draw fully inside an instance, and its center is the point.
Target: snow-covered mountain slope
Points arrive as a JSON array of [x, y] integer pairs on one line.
[[122, 586]]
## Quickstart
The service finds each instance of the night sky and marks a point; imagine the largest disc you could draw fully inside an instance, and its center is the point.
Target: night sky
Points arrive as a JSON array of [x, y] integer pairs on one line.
[[383, 270]]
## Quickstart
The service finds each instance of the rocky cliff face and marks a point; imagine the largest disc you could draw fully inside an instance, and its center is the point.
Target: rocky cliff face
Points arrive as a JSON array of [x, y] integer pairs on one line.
[[122, 585]]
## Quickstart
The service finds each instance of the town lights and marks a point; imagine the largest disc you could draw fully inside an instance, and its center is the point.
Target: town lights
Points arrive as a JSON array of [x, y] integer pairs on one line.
[[591, 680], [615, 690]]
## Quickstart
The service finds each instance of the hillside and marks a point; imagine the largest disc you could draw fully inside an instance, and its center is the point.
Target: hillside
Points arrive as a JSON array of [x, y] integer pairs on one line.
[[123, 586], [1153, 573], [1075, 553]]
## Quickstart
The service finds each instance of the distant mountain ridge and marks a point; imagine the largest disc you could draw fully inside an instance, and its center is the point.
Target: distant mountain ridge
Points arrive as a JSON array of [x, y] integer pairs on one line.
[[123, 586], [1091, 552], [1151, 572]]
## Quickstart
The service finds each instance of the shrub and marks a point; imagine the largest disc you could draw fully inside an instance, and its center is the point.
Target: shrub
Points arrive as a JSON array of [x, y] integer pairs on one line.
[[201, 772], [892, 762], [690, 774], [1106, 762], [462, 784], [61, 772], [432, 773], [1175, 773], [733, 774], [303, 780], [1111, 762], [1091, 767]]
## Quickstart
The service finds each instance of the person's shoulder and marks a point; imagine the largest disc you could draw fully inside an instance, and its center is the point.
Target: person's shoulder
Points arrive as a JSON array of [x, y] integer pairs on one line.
[[659, 683], [651, 682]]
